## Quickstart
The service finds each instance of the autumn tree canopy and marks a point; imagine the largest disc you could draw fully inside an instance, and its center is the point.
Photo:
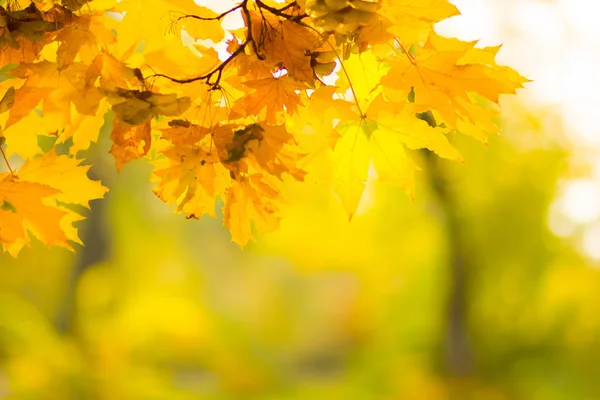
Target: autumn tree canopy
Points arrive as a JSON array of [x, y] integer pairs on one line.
[[229, 111]]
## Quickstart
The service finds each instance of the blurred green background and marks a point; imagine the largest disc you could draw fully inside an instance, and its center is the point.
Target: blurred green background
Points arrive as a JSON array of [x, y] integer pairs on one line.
[[486, 286], [463, 293]]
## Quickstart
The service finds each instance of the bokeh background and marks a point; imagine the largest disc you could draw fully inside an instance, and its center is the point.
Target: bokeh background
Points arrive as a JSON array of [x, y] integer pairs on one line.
[[486, 286]]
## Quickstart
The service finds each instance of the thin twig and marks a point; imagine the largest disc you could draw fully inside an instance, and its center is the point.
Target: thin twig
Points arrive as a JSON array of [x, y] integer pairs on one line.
[[280, 11], [250, 34], [218, 71], [6, 161], [216, 18]]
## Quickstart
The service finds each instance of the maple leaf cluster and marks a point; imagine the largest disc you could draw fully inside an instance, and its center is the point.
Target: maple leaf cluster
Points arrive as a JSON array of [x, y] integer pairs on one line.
[[300, 87]]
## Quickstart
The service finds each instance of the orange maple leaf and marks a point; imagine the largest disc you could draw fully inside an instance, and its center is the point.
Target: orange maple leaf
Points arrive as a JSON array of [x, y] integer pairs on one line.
[[251, 201], [283, 42], [29, 201], [130, 142], [276, 95]]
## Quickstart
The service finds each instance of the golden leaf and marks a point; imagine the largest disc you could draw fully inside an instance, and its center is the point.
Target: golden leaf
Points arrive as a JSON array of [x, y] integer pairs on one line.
[[275, 95], [286, 43], [251, 201], [7, 100], [28, 201], [130, 142]]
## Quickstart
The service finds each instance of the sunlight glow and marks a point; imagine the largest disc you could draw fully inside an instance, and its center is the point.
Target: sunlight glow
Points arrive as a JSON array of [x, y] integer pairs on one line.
[[560, 224], [591, 242], [581, 201], [551, 42]]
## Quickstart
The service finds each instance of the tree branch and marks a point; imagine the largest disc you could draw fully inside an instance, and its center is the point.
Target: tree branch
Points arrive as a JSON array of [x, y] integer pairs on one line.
[[280, 11], [216, 18], [218, 71], [207, 77]]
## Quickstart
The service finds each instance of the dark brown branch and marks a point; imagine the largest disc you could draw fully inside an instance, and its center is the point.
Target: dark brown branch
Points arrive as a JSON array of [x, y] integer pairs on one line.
[[276, 11], [249, 35], [201, 18], [218, 71], [279, 12], [216, 18], [292, 4]]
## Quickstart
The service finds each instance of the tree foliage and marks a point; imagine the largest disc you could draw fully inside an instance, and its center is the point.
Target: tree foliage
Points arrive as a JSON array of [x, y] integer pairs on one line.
[[299, 87]]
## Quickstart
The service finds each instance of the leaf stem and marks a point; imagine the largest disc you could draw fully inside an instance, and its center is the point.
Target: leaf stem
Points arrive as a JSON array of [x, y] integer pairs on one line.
[[345, 71], [410, 57], [6, 161]]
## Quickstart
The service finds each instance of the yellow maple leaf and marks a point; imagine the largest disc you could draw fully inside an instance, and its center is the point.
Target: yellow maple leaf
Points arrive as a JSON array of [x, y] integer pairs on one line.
[[75, 85], [283, 42], [341, 15], [167, 60], [130, 142], [22, 51], [40, 81], [390, 160], [275, 151], [414, 133], [22, 209], [82, 37], [84, 129], [29, 201], [243, 114], [313, 127], [258, 148], [412, 21], [29, 23], [275, 95], [351, 164], [373, 33], [114, 73], [444, 83], [191, 177], [381, 137], [65, 174], [202, 22], [8, 99], [22, 137], [363, 73], [135, 106], [182, 132], [143, 22], [248, 65], [251, 201]]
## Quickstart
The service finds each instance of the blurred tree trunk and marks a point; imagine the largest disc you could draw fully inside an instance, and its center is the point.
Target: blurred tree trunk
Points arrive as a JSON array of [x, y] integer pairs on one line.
[[457, 348], [95, 234], [458, 352]]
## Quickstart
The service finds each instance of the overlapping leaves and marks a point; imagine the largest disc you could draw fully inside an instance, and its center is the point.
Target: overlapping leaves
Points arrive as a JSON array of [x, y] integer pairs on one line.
[[231, 126]]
